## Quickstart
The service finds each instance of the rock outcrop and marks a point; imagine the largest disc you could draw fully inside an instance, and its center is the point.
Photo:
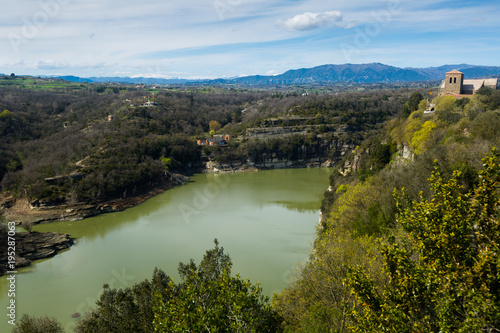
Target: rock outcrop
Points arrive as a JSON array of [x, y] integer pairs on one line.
[[32, 246], [325, 154]]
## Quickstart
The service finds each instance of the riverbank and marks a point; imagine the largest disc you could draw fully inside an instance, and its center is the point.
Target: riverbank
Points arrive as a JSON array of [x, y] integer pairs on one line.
[[32, 246], [234, 167], [264, 220], [35, 246], [22, 211]]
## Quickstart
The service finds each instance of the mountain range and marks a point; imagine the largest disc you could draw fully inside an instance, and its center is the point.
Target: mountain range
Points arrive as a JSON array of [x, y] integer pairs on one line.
[[355, 73], [134, 80]]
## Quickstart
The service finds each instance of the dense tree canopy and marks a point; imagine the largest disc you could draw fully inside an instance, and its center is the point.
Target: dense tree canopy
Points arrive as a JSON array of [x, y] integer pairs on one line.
[[126, 310], [359, 214], [412, 104], [432, 267], [46, 134], [210, 300], [444, 276]]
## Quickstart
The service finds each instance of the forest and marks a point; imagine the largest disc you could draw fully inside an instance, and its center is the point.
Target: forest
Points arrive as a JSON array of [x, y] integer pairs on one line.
[[58, 145], [409, 243], [409, 235]]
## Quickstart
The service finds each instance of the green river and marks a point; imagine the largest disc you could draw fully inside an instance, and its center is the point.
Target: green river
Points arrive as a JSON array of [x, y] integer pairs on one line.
[[264, 220]]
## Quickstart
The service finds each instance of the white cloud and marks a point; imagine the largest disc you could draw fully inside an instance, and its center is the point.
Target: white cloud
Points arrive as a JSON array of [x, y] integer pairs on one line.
[[310, 21], [189, 39], [273, 72]]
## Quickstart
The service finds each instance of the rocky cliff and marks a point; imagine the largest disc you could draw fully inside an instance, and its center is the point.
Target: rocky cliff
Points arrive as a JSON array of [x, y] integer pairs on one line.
[[32, 246], [324, 154]]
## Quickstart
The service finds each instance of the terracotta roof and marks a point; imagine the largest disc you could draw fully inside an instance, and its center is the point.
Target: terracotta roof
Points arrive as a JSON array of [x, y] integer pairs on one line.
[[454, 72]]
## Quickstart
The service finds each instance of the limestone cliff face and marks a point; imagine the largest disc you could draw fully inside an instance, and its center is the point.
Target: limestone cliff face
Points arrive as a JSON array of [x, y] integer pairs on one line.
[[404, 154], [351, 165], [323, 154]]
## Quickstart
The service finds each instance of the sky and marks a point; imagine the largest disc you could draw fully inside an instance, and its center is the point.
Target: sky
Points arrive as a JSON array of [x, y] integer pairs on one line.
[[229, 38]]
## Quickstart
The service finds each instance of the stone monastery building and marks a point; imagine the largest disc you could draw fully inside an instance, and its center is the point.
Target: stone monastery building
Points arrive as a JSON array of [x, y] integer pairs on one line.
[[455, 85]]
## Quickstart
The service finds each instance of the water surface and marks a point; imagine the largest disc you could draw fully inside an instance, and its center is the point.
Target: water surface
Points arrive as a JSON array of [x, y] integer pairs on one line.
[[264, 220]]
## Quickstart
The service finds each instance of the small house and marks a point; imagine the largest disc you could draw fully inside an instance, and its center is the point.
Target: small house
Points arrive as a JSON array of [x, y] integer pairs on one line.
[[217, 140]]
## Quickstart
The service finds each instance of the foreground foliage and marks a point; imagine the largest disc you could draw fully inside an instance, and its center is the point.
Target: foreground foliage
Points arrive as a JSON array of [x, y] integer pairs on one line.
[[359, 210], [29, 324], [208, 299], [444, 277], [126, 310], [227, 304]]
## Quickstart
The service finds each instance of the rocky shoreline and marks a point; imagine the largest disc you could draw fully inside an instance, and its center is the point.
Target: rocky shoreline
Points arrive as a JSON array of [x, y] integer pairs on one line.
[[32, 246], [235, 167]]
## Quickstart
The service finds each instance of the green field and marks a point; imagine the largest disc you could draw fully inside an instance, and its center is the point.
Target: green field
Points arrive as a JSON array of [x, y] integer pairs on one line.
[[34, 83]]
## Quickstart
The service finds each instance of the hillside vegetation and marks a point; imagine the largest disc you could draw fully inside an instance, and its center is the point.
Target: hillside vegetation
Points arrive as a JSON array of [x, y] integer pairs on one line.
[[58, 146], [424, 260], [407, 242]]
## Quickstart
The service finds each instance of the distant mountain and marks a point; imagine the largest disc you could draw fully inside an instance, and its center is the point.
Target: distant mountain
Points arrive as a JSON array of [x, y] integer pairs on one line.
[[72, 78], [470, 71], [132, 80], [355, 73], [364, 73]]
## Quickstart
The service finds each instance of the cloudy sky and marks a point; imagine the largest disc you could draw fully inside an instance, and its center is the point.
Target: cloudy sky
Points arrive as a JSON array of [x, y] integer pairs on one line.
[[225, 38]]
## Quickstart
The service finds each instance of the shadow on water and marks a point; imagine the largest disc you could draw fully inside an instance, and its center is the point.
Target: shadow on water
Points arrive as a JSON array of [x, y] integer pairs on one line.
[[301, 207]]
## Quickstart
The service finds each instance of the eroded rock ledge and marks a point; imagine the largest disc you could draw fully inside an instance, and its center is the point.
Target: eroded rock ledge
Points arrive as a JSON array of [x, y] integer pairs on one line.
[[33, 246]]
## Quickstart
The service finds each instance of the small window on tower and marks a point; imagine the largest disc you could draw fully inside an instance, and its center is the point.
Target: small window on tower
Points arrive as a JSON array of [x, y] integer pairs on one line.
[[455, 80], [451, 80]]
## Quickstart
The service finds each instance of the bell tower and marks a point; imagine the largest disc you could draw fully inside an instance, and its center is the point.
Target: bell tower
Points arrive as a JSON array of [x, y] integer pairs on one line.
[[453, 82]]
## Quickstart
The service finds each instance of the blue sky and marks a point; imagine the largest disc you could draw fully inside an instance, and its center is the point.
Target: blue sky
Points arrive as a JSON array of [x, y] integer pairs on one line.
[[225, 38]]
